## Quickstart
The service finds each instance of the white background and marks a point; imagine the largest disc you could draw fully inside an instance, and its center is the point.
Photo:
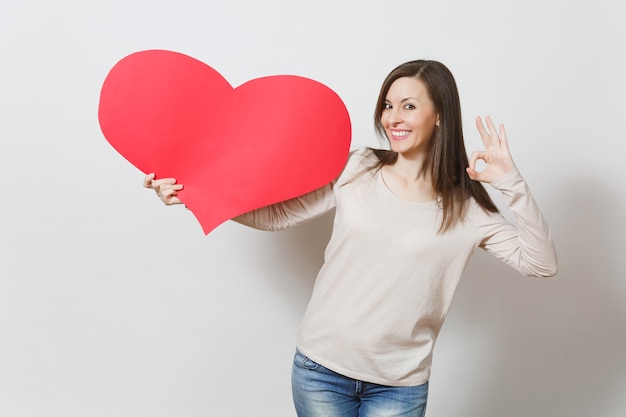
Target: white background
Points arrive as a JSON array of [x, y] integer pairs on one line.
[[112, 304]]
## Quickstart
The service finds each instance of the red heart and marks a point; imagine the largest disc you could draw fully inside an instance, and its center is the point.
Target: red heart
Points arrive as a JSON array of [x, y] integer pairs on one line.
[[234, 150]]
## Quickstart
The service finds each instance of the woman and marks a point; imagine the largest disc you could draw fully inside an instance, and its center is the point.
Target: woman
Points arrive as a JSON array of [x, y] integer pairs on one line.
[[407, 221]]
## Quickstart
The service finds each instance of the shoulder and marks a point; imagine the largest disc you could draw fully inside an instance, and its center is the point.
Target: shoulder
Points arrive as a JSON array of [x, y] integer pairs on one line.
[[359, 160], [364, 156], [363, 152]]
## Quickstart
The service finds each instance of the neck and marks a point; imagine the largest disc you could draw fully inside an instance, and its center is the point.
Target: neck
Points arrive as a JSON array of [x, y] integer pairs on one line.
[[411, 168]]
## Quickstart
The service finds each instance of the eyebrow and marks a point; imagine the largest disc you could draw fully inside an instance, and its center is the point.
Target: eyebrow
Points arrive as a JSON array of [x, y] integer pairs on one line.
[[404, 99]]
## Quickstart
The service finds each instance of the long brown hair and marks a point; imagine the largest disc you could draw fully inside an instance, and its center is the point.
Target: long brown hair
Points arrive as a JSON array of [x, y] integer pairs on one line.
[[447, 158]]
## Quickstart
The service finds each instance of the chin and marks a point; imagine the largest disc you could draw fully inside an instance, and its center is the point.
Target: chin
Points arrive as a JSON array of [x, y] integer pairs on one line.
[[398, 147]]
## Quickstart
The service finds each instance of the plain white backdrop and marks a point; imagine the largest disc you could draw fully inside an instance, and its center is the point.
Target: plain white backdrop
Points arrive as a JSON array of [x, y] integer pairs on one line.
[[112, 304]]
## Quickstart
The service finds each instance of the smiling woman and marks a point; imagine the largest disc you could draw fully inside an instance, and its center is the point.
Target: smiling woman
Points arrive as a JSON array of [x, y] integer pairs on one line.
[[429, 160], [407, 221]]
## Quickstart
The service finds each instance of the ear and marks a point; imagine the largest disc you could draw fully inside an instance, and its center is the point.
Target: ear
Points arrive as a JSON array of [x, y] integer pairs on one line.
[[437, 122]]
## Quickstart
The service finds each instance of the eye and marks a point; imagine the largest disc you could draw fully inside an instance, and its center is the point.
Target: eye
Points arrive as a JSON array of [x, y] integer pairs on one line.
[[387, 106], [409, 107]]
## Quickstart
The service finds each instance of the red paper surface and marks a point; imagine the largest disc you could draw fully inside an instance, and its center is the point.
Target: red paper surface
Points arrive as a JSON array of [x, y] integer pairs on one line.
[[233, 149]]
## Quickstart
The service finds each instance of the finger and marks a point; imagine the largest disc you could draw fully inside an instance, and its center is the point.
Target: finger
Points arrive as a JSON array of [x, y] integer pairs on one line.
[[472, 174], [473, 159], [169, 196], [157, 185], [503, 139], [476, 156], [166, 193], [493, 133], [147, 181], [163, 181], [482, 176], [168, 189], [484, 135]]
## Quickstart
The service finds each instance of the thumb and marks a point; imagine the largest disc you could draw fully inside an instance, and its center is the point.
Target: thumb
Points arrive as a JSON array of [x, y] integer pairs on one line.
[[474, 175]]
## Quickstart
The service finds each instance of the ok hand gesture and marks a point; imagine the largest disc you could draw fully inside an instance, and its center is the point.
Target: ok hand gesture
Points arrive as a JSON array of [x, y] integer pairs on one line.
[[496, 154]]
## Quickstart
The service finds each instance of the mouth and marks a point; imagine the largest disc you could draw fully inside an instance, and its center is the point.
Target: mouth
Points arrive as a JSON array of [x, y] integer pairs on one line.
[[399, 134]]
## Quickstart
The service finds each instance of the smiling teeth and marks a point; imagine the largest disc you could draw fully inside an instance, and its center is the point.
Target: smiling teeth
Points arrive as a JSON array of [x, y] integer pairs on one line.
[[400, 134]]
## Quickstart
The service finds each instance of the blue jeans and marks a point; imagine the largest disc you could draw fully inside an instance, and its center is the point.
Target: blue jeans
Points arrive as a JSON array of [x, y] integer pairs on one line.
[[320, 392]]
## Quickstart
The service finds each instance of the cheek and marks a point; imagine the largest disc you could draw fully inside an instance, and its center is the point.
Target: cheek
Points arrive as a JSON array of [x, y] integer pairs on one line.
[[428, 122], [431, 130]]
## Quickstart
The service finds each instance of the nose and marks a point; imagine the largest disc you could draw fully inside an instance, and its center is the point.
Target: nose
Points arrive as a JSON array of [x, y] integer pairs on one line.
[[393, 117]]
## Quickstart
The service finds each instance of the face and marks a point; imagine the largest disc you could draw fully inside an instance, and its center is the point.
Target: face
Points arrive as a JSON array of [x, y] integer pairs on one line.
[[409, 116]]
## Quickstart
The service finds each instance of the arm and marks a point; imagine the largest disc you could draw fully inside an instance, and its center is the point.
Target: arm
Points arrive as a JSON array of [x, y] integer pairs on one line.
[[274, 217], [528, 246], [291, 212]]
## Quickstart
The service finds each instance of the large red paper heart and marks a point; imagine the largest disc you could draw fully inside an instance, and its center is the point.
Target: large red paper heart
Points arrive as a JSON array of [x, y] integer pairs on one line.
[[233, 149]]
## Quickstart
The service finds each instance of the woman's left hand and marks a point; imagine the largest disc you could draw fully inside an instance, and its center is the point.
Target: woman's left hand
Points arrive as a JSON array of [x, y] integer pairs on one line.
[[496, 154]]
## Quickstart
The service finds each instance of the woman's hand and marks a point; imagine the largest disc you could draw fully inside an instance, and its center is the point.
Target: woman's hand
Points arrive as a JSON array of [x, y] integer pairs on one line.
[[496, 154], [166, 189]]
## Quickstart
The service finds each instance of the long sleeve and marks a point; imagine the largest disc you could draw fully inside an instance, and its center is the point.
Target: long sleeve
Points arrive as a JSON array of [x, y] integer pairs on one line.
[[527, 246], [291, 212]]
